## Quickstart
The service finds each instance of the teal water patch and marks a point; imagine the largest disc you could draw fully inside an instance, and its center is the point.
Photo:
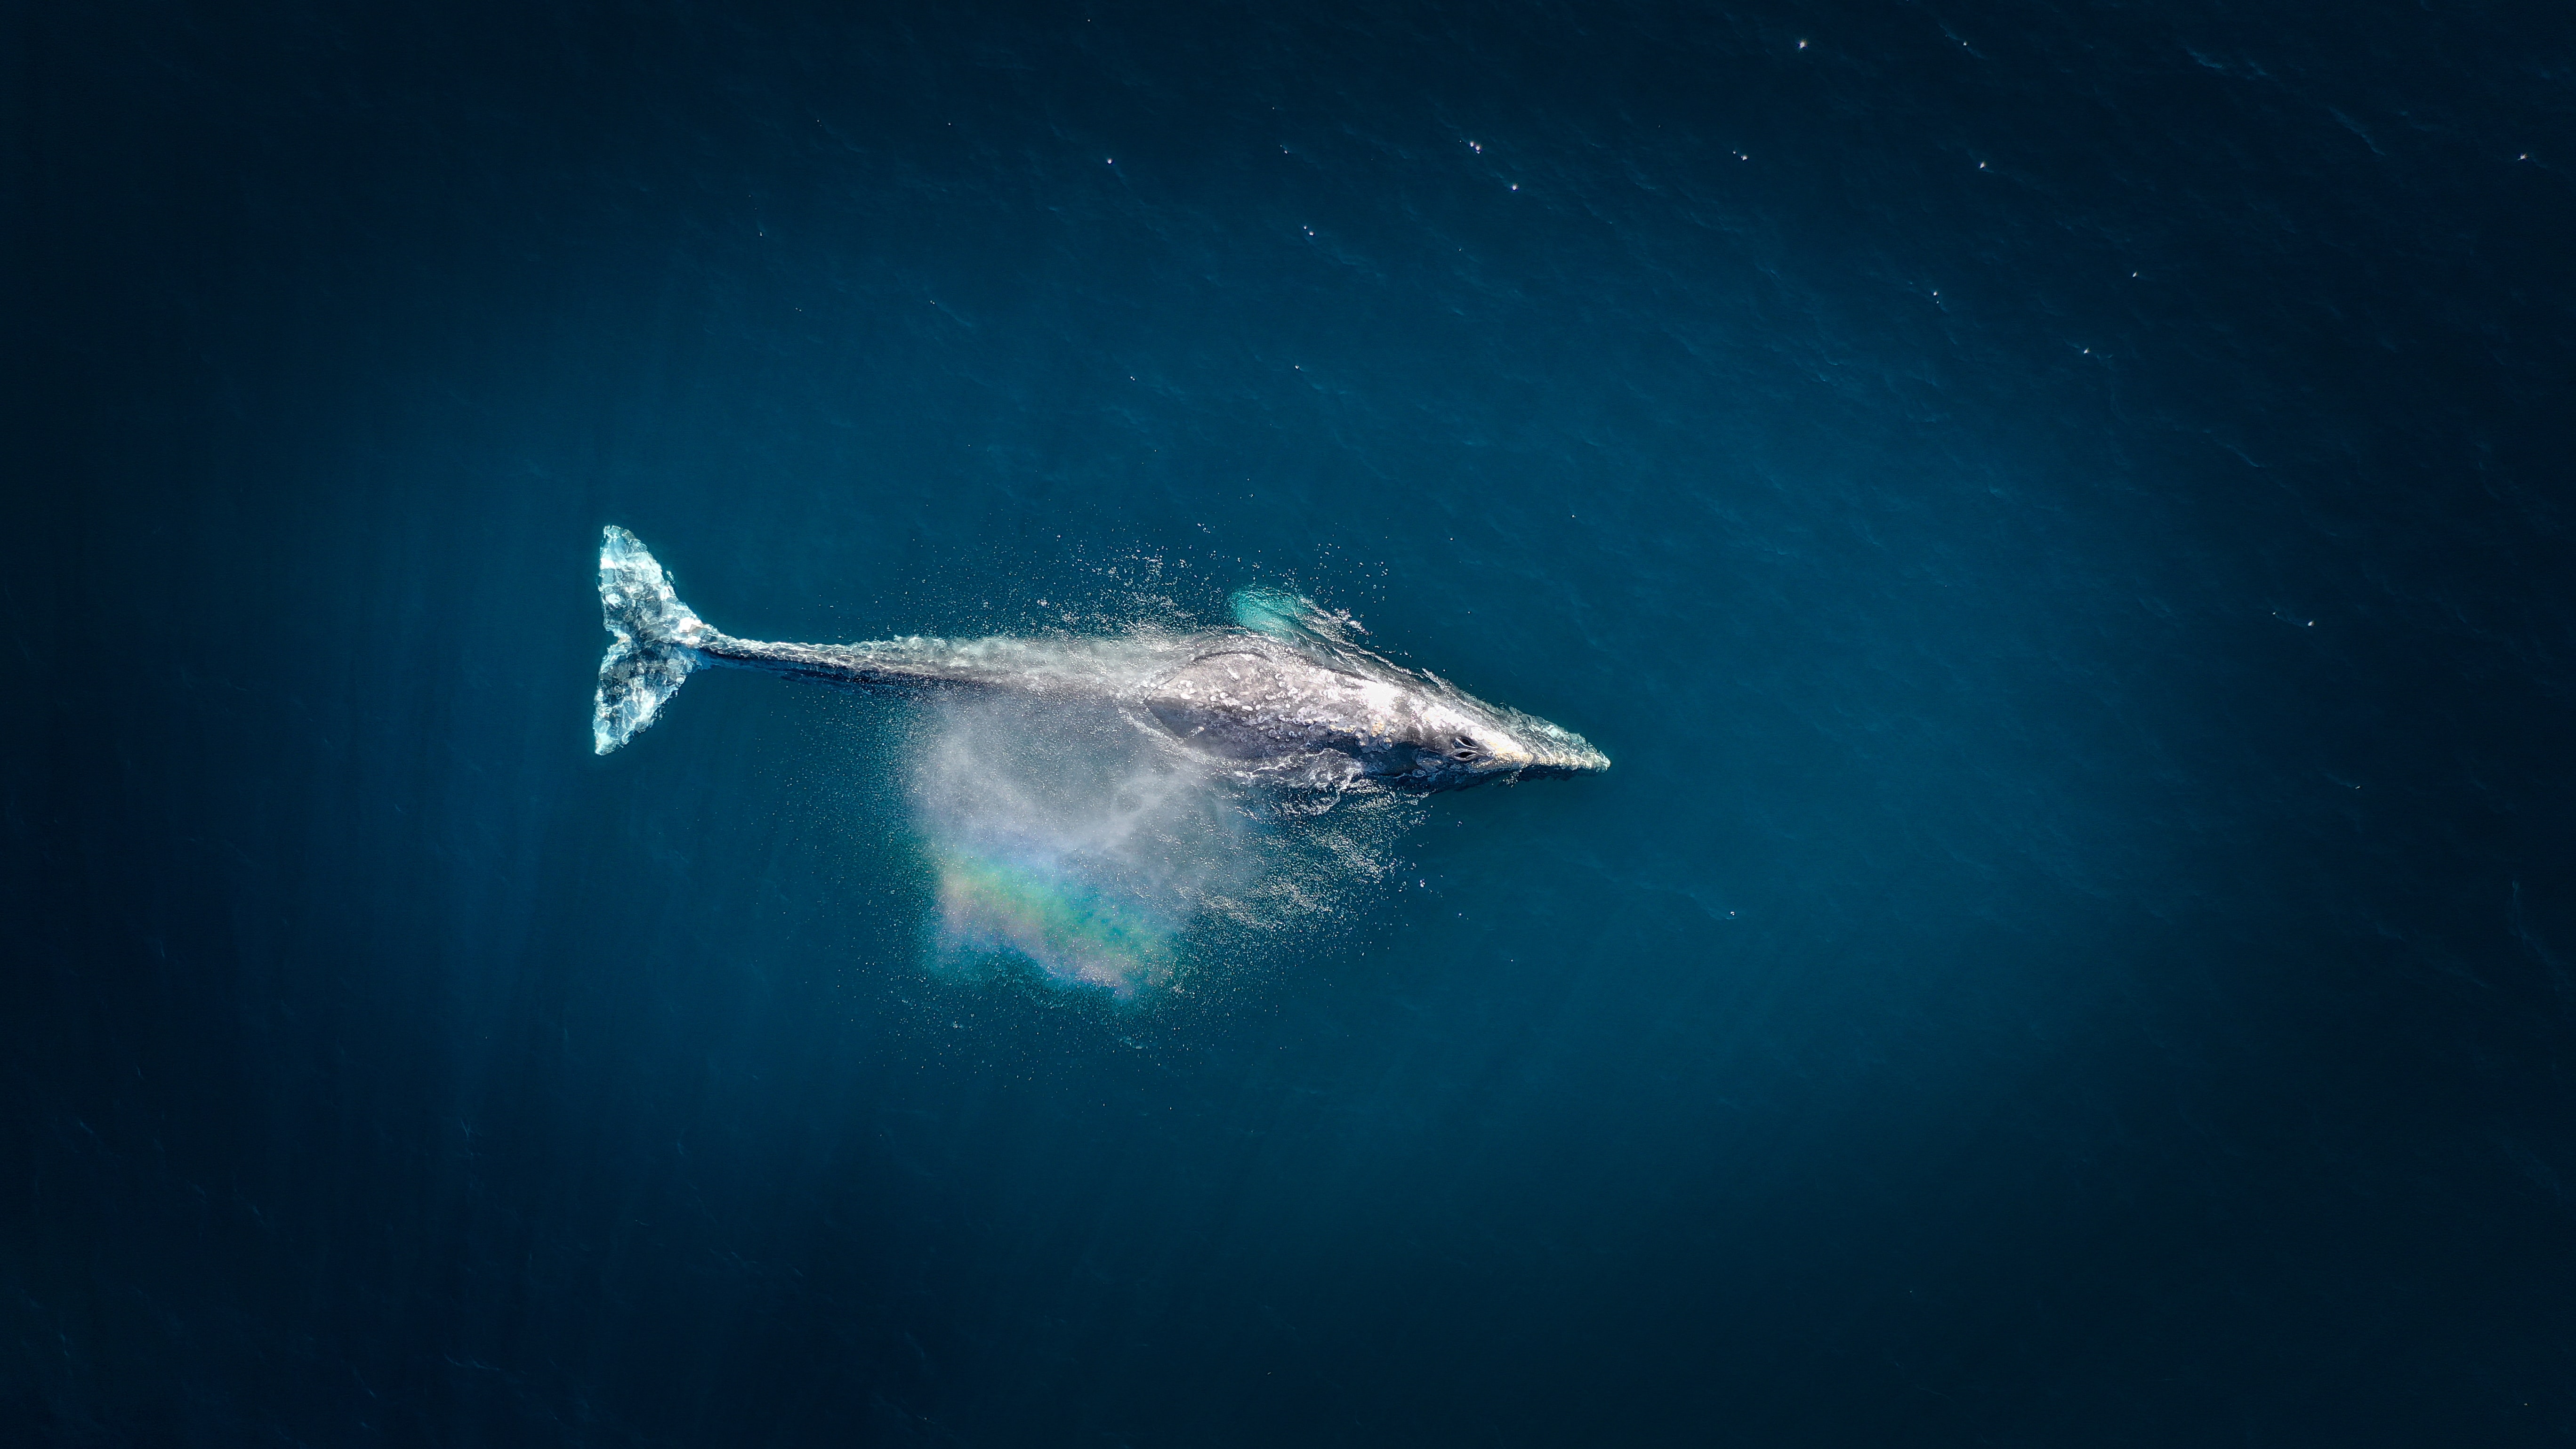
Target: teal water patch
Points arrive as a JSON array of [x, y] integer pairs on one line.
[[1294, 618]]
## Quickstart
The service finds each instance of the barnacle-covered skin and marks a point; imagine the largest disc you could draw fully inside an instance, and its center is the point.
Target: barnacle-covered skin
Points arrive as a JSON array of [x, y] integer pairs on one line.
[[1243, 696], [1305, 706]]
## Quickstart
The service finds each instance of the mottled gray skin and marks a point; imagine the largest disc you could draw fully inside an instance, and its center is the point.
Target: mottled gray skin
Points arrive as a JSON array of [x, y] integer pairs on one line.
[[1241, 698]]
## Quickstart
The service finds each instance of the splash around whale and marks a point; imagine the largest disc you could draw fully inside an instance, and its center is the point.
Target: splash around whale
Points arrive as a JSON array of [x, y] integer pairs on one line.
[[1284, 694]]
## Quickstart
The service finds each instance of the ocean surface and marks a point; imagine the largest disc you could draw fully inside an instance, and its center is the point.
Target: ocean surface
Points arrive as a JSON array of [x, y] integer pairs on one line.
[[2059, 512]]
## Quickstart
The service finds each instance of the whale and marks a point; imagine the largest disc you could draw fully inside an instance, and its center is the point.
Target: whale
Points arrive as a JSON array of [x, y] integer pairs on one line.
[[1282, 694]]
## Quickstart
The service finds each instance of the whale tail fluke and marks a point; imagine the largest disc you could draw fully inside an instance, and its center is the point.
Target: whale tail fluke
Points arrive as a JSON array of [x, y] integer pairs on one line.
[[655, 644]]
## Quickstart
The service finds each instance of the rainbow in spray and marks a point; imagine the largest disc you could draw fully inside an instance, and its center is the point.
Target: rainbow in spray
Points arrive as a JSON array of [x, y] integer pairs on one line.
[[1061, 835], [1076, 931]]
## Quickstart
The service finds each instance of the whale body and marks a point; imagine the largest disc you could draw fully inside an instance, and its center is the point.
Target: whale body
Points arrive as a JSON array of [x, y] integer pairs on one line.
[[1282, 694]]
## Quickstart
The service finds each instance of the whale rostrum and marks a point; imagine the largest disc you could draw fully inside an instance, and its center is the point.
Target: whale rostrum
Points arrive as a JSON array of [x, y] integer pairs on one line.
[[1282, 693]]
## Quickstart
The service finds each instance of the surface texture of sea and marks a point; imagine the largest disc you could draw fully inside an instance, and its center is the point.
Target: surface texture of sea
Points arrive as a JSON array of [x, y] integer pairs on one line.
[[2059, 513]]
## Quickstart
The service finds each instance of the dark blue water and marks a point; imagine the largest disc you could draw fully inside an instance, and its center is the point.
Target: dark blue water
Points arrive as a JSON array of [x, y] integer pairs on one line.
[[2060, 514]]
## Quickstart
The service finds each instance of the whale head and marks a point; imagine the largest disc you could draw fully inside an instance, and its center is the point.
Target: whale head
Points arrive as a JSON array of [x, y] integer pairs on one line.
[[1458, 741], [1247, 699]]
